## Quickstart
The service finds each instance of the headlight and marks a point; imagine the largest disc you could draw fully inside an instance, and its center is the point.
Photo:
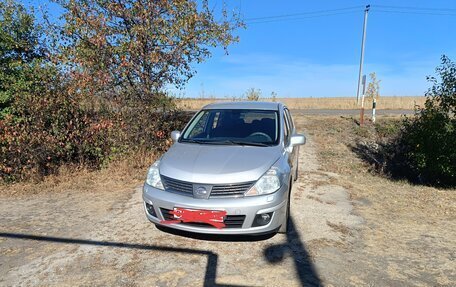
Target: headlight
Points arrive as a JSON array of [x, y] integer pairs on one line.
[[270, 182], [153, 176]]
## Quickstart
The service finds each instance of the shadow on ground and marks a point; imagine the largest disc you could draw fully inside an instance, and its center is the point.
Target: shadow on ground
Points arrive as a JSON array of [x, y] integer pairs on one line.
[[387, 160], [215, 237], [295, 247], [274, 254]]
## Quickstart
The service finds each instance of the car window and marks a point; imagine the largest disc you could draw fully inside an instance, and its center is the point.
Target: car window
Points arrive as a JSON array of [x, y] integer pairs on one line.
[[198, 126], [290, 119], [228, 125], [286, 130]]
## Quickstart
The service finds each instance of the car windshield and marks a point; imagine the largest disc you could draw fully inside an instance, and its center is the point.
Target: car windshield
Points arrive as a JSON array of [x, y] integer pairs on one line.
[[233, 127]]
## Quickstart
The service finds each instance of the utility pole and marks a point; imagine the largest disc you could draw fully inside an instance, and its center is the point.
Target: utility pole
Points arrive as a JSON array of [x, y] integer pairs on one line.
[[366, 11], [361, 116]]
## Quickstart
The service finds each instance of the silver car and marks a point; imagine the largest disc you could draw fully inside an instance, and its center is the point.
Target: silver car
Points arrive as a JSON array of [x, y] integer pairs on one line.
[[230, 171]]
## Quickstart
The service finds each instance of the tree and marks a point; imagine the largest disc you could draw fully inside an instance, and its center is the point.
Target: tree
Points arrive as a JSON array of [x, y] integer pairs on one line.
[[274, 96], [138, 48], [20, 52], [442, 96], [253, 94], [373, 88]]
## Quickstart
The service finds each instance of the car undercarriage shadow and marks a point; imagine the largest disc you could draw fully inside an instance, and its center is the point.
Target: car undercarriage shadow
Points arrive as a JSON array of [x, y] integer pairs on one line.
[[274, 254], [216, 237]]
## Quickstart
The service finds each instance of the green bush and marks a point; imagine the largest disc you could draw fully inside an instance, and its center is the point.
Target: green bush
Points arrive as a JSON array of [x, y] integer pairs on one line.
[[421, 148], [52, 125], [48, 128], [428, 140], [56, 130]]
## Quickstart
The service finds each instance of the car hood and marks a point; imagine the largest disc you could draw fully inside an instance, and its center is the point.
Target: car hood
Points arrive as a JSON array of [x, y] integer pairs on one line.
[[217, 164]]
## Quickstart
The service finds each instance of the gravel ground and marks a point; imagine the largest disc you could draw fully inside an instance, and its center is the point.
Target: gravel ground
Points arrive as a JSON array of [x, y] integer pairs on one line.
[[103, 239]]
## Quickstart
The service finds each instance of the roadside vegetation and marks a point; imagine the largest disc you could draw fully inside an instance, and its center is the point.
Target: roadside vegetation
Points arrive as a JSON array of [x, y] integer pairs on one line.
[[92, 87], [421, 148], [404, 222], [253, 94]]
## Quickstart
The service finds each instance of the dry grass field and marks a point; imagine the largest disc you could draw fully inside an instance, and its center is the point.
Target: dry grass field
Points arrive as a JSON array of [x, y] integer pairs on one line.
[[342, 103]]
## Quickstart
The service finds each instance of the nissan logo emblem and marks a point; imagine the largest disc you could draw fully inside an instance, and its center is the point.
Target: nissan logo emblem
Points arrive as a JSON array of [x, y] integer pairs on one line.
[[201, 190]]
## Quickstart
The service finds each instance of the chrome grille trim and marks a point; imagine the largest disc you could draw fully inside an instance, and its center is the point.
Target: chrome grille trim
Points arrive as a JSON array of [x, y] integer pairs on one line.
[[179, 186], [231, 190], [217, 191]]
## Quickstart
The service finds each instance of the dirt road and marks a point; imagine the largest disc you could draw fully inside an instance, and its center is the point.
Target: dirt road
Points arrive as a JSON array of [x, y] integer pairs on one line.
[[104, 239], [350, 112]]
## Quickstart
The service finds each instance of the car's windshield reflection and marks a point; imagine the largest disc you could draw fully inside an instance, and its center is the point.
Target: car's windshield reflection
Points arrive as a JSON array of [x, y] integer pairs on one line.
[[233, 127]]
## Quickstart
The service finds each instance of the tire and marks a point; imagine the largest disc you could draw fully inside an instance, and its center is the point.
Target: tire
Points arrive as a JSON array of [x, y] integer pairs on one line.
[[285, 227]]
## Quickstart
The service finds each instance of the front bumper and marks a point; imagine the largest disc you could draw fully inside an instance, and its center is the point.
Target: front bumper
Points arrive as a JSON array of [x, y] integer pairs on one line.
[[248, 206]]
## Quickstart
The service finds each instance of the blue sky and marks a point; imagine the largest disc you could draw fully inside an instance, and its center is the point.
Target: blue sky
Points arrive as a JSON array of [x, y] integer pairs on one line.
[[319, 56]]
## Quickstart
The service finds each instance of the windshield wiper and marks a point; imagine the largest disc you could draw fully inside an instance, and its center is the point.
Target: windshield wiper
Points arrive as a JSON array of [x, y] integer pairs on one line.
[[204, 142], [193, 141], [244, 143], [224, 142]]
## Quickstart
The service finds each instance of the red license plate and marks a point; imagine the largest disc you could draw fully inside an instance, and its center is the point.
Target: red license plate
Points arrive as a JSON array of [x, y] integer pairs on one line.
[[212, 217]]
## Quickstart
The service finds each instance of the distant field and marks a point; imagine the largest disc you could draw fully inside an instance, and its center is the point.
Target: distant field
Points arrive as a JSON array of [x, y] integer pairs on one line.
[[390, 103]]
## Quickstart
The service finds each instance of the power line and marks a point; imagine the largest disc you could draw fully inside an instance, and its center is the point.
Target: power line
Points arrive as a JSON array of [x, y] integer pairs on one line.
[[298, 18], [414, 8], [304, 13], [348, 10], [414, 12]]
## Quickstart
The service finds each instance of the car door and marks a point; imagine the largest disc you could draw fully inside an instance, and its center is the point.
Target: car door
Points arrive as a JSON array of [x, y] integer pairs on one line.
[[289, 130]]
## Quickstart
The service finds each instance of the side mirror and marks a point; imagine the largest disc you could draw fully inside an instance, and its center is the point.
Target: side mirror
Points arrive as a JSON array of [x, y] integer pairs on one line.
[[175, 135], [297, 139]]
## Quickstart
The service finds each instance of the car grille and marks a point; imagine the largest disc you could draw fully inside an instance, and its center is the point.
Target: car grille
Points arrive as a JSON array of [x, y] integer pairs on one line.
[[221, 190], [230, 190], [179, 186], [231, 221]]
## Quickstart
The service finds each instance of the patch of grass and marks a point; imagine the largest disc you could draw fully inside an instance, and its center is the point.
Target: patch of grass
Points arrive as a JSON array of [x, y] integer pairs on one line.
[[362, 131], [123, 173], [335, 155], [388, 128]]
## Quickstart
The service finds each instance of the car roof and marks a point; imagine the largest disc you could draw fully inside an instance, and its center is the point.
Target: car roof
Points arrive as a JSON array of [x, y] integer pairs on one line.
[[249, 105]]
